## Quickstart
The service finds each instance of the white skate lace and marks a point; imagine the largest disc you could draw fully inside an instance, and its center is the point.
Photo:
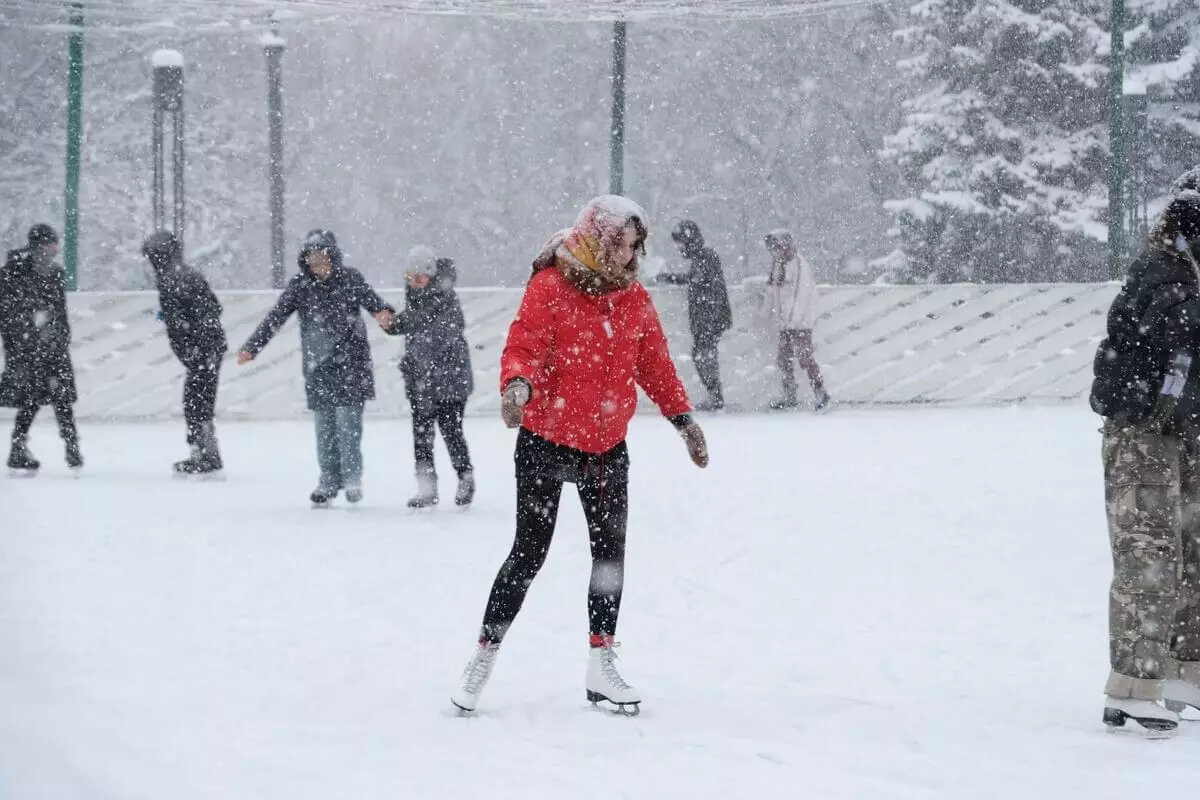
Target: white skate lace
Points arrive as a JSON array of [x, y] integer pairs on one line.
[[479, 668], [608, 667]]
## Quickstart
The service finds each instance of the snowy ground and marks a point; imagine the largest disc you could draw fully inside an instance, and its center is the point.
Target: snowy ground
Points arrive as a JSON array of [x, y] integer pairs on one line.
[[872, 604]]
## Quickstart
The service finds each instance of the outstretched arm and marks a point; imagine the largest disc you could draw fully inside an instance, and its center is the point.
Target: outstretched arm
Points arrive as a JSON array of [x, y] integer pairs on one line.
[[285, 306]]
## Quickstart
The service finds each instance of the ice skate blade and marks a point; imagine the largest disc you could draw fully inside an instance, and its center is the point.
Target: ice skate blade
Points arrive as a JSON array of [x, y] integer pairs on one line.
[[13, 472], [459, 711], [1153, 728], [616, 709], [199, 477]]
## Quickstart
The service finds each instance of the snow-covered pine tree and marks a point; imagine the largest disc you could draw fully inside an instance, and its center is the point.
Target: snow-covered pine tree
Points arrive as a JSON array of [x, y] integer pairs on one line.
[[1003, 146], [1163, 56]]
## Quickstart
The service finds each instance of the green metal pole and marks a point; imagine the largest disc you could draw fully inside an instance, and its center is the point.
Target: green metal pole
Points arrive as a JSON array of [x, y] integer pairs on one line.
[[616, 168], [74, 143], [1116, 143]]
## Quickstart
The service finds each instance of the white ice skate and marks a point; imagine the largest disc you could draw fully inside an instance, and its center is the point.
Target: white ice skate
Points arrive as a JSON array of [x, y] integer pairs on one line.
[[1150, 714], [605, 684], [475, 676]]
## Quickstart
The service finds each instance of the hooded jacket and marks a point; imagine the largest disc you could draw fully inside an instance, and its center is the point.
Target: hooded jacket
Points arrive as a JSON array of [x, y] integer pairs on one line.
[[585, 338], [190, 310], [36, 331], [336, 357], [437, 361], [709, 312]]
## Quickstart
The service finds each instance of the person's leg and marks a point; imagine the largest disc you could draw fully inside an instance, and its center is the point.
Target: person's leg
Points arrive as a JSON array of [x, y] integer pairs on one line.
[[1183, 684], [706, 359], [604, 493], [329, 459], [787, 369], [19, 456], [808, 361], [537, 513], [349, 442], [199, 408], [1142, 499], [450, 422], [64, 416]]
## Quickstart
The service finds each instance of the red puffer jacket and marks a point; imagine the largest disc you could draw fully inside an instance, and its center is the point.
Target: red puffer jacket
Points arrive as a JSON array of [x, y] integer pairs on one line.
[[584, 355]]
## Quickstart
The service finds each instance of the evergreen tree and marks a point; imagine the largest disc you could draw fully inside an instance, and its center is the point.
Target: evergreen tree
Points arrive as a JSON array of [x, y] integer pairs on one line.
[[1004, 149]]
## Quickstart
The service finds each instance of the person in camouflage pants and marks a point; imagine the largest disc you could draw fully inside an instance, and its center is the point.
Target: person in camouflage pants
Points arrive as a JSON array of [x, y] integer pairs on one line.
[[1147, 392], [1152, 494]]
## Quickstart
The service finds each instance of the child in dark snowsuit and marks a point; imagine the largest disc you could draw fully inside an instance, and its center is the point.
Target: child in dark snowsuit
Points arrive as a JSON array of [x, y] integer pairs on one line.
[[437, 372]]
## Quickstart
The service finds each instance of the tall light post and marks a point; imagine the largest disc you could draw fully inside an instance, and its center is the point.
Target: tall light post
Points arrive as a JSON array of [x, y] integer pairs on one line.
[[273, 45]]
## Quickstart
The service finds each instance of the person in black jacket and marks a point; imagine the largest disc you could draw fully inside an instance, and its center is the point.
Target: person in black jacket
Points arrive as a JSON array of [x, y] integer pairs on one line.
[[709, 314], [37, 346], [437, 372], [1147, 391], [338, 374], [192, 315]]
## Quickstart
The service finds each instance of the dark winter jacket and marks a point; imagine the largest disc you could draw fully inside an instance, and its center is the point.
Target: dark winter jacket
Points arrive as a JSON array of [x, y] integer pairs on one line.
[[191, 313], [709, 314], [333, 338], [437, 360], [36, 332], [1154, 317]]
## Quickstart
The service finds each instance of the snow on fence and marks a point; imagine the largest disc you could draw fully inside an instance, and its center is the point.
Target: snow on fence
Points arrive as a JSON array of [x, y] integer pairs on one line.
[[959, 344]]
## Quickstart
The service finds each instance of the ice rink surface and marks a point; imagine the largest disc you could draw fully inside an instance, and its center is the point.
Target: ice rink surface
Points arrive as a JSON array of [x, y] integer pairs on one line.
[[869, 604]]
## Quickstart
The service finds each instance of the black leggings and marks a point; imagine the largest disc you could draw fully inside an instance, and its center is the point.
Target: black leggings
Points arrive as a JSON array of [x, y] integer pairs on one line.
[[64, 415], [603, 484], [448, 416]]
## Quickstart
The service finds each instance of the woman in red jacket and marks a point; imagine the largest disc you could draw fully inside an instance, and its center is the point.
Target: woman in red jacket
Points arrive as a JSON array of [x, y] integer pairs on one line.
[[586, 336]]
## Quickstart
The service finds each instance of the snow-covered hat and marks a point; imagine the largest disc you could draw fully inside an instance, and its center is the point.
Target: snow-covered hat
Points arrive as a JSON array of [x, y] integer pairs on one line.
[[421, 260]]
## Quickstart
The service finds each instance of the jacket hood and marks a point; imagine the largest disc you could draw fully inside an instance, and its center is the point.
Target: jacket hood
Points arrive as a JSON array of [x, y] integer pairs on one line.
[[580, 252], [320, 240]]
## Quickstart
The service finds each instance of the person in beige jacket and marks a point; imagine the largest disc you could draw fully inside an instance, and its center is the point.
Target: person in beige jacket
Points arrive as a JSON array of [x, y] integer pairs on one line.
[[790, 306]]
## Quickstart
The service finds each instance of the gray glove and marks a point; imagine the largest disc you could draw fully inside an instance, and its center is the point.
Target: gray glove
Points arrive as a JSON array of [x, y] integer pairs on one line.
[[513, 400]]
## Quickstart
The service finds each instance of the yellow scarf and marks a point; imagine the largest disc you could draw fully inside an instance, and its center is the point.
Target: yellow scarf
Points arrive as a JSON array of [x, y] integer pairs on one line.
[[586, 249]]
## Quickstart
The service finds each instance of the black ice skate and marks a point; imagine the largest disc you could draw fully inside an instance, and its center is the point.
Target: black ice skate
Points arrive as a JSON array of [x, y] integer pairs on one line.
[[74, 457], [205, 459], [21, 461], [322, 496], [786, 404], [466, 489], [427, 490], [822, 401]]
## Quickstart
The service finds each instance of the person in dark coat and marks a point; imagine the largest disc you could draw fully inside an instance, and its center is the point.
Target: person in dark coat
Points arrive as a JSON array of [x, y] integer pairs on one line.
[[37, 346], [1147, 390], [437, 372], [338, 374], [192, 315], [709, 314]]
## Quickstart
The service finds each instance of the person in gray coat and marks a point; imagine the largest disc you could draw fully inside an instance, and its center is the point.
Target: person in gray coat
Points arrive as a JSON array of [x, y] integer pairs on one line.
[[437, 372], [338, 374]]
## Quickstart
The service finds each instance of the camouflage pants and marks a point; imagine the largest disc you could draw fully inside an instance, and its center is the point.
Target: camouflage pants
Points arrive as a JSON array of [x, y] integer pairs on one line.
[[1152, 493]]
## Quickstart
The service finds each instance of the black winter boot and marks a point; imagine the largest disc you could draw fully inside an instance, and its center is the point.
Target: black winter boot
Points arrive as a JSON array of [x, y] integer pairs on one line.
[[206, 456]]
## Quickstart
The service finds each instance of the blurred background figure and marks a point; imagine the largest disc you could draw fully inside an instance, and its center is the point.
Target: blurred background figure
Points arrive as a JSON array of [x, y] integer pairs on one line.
[[37, 346], [192, 314], [790, 306], [437, 372], [709, 314]]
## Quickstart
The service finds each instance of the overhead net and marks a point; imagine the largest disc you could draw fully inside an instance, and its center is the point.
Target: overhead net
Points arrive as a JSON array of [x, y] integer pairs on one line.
[[227, 14]]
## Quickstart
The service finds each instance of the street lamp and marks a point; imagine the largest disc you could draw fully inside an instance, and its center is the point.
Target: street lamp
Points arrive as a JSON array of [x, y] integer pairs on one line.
[[168, 100]]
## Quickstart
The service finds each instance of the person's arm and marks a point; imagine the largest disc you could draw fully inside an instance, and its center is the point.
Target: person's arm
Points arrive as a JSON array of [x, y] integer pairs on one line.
[[527, 349], [656, 372], [673, 278], [285, 306]]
